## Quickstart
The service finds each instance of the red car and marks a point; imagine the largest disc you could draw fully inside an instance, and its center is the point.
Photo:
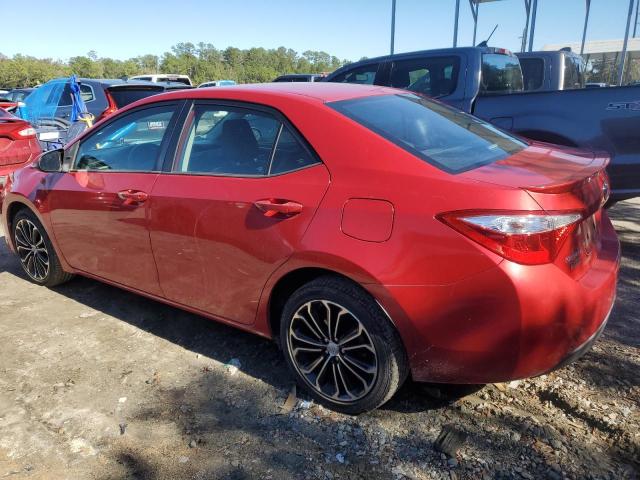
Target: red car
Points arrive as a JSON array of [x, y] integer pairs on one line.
[[18, 145], [374, 233]]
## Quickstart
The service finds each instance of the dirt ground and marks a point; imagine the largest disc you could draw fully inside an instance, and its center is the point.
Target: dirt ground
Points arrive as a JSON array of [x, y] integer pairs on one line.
[[98, 383]]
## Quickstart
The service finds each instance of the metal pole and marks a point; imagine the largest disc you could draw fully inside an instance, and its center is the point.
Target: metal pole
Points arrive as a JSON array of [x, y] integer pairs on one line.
[[475, 22], [455, 25], [584, 31], [635, 25], [527, 6], [624, 46], [533, 24], [393, 23]]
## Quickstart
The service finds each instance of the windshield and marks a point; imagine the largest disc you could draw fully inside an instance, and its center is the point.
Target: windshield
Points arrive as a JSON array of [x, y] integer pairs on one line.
[[449, 139], [501, 74]]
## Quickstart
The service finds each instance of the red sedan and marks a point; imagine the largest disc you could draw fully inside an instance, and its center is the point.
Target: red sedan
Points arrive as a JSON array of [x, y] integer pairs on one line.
[[18, 145], [374, 233]]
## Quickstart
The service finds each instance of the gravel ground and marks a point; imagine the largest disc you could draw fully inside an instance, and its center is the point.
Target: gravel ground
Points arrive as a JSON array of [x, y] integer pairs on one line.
[[98, 383]]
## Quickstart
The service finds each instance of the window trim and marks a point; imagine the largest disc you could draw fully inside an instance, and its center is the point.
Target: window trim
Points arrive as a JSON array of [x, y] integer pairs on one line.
[[171, 161], [164, 146]]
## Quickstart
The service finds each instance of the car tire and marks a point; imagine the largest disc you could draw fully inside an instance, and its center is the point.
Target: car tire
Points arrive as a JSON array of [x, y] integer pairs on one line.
[[353, 363], [37, 256]]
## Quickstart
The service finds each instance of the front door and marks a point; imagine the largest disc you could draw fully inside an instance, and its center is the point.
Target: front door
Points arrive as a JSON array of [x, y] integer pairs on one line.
[[240, 196], [100, 208]]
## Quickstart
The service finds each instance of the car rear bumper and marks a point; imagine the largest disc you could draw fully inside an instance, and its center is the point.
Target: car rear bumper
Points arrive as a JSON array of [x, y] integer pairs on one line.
[[509, 322]]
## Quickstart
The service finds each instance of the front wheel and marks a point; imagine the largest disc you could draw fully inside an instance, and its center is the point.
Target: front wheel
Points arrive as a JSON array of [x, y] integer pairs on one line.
[[37, 256], [341, 346]]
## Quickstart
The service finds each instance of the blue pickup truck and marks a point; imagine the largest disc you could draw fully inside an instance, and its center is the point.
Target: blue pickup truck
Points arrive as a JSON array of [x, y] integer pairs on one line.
[[488, 83]]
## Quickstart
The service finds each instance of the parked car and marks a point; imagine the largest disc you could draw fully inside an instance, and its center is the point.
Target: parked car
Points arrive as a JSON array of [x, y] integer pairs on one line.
[[217, 83], [300, 77], [18, 94], [18, 145], [49, 110], [164, 78], [597, 85], [552, 70], [487, 82], [7, 105], [429, 258]]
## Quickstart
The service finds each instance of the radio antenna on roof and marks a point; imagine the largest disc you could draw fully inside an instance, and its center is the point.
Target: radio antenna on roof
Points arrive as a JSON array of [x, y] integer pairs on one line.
[[486, 42]]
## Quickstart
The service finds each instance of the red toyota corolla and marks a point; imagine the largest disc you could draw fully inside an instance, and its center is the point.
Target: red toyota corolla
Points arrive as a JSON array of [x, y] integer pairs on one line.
[[375, 233], [18, 145]]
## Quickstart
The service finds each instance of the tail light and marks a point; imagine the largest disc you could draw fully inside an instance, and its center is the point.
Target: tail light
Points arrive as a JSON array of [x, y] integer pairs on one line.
[[21, 131], [112, 107], [529, 238]]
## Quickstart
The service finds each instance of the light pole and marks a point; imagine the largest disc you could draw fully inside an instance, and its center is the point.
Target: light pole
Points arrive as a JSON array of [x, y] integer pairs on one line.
[[455, 25], [393, 23], [533, 24], [624, 45], [586, 22]]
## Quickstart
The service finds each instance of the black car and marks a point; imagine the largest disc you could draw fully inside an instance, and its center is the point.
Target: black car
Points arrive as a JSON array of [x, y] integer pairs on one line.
[[300, 77]]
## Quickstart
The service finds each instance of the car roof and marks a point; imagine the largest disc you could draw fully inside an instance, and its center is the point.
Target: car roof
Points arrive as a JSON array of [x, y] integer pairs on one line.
[[320, 92]]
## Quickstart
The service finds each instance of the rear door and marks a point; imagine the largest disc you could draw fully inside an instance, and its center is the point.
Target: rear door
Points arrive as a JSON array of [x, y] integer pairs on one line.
[[237, 200], [100, 208]]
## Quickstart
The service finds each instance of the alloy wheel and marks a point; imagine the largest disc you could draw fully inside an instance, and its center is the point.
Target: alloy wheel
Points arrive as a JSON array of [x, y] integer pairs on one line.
[[332, 351], [32, 250]]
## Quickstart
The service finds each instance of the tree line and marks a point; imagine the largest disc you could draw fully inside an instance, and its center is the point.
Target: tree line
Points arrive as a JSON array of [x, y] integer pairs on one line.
[[202, 62]]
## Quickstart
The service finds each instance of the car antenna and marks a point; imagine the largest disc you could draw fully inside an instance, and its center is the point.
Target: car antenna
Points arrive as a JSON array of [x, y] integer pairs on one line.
[[485, 43]]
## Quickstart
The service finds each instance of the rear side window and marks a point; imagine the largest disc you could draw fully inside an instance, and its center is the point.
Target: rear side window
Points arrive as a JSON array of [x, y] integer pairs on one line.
[[450, 140], [434, 76], [532, 72], [235, 141], [129, 143], [500, 74], [86, 92], [290, 154], [365, 75], [573, 73]]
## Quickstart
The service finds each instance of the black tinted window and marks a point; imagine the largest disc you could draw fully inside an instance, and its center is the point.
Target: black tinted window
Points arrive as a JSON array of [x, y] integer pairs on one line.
[[532, 72], [290, 154], [501, 74], [86, 92], [449, 139], [123, 97], [573, 73], [435, 76], [365, 74], [228, 141], [129, 143]]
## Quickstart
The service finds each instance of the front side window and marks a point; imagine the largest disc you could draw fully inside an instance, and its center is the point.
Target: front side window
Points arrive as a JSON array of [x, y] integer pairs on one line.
[[129, 143], [532, 72], [432, 76], [449, 139], [237, 141], [500, 74], [364, 75]]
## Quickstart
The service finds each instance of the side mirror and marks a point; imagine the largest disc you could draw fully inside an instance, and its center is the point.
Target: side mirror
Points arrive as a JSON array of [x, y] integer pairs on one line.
[[51, 161]]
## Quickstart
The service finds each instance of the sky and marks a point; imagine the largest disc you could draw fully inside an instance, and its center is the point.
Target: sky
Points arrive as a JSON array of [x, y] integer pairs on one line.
[[348, 29]]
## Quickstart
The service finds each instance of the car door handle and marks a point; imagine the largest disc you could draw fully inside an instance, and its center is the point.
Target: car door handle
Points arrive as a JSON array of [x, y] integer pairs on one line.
[[132, 197], [275, 206]]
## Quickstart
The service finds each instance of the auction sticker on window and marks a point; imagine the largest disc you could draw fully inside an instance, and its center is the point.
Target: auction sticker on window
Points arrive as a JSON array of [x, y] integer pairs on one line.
[[157, 125]]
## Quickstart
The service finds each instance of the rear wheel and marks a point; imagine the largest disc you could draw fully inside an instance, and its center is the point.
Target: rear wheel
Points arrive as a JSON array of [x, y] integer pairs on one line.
[[341, 347], [37, 256]]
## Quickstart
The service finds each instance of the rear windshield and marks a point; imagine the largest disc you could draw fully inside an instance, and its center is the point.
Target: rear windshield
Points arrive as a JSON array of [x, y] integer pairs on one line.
[[533, 72], [450, 140], [500, 74], [124, 97]]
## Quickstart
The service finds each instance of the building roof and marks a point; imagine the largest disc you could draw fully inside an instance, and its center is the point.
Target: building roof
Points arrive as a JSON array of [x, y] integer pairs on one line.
[[598, 46]]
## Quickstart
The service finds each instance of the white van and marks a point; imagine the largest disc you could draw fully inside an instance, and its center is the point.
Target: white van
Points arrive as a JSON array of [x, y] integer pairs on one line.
[[164, 77]]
